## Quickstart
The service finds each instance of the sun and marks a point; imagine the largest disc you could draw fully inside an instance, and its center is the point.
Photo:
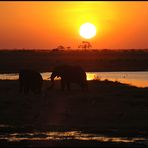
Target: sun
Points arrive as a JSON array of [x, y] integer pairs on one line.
[[87, 30]]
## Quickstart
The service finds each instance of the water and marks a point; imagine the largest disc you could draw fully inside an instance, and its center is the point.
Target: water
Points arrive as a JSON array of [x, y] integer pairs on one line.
[[76, 135], [139, 79], [12, 136]]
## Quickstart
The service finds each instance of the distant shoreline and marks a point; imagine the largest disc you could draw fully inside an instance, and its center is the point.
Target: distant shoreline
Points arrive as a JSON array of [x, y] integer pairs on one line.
[[11, 61], [86, 71], [78, 49]]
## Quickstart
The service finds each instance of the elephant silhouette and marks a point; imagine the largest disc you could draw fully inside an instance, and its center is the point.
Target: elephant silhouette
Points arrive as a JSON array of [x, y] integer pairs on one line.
[[69, 74], [30, 80]]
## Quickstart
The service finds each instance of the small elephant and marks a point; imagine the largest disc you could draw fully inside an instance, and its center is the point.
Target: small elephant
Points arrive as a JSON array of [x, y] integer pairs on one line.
[[69, 74], [30, 80]]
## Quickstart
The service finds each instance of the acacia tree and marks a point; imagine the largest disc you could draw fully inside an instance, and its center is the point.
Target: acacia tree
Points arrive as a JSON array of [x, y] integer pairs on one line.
[[85, 45], [61, 47], [68, 47]]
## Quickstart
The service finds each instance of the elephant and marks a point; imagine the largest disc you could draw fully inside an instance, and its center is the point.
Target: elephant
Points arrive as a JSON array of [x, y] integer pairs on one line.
[[30, 80], [69, 74]]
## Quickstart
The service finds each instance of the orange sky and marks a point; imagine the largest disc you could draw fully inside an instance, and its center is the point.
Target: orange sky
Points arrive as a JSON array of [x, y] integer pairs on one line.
[[47, 24]]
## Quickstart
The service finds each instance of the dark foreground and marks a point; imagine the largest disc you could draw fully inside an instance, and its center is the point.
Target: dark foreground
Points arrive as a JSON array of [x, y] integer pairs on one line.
[[108, 108], [68, 143]]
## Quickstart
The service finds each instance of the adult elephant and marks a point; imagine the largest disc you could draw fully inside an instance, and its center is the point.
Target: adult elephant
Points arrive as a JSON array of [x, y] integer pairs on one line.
[[30, 80], [69, 74]]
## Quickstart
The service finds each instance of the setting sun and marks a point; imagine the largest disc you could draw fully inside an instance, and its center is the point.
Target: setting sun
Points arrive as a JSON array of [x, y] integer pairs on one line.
[[46, 25], [87, 30], [74, 73]]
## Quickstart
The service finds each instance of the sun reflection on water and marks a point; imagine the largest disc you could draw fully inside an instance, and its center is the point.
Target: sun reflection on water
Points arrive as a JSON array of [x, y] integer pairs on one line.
[[75, 135]]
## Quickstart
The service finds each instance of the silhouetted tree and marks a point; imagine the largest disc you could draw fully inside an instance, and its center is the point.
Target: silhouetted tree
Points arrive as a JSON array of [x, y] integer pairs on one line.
[[85, 45], [60, 47], [68, 47]]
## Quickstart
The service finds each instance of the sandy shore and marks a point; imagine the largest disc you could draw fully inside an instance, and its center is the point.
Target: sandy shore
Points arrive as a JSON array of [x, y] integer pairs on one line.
[[107, 105]]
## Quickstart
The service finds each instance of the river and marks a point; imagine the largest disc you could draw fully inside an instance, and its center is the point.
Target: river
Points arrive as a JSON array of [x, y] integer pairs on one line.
[[138, 78], [59, 135]]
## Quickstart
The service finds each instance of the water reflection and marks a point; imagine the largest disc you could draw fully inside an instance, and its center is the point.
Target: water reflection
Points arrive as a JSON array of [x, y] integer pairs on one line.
[[13, 76], [75, 135], [139, 79]]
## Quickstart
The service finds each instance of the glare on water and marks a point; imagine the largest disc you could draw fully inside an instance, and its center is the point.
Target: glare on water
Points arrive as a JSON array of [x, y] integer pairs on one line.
[[139, 79], [76, 135]]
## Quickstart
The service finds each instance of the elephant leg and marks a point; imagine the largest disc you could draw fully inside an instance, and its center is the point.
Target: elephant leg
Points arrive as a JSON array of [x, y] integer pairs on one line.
[[84, 87]]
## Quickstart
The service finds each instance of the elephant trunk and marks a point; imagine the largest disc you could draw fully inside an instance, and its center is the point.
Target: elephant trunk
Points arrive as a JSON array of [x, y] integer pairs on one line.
[[52, 80]]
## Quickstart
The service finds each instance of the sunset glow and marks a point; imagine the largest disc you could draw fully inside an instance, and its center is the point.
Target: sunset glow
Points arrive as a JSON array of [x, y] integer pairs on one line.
[[45, 25]]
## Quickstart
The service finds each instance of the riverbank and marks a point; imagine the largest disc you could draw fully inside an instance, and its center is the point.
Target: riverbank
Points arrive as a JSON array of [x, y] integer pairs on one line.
[[106, 107]]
